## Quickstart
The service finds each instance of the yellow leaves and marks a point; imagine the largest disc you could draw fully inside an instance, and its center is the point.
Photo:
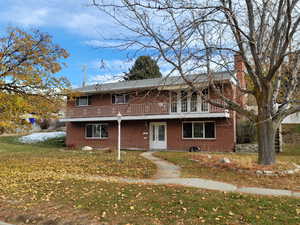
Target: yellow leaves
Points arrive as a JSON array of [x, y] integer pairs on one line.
[[30, 61], [298, 211], [138, 195], [215, 209], [231, 213], [103, 215]]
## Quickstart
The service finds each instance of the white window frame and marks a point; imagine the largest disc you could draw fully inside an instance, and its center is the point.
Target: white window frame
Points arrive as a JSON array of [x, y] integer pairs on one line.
[[203, 124], [189, 95], [95, 124], [124, 99], [177, 101], [79, 105], [196, 103]]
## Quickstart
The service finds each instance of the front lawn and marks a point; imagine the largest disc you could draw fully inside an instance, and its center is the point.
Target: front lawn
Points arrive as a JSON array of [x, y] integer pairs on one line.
[[35, 190], [51, 157], [211, 171], [67, 201]]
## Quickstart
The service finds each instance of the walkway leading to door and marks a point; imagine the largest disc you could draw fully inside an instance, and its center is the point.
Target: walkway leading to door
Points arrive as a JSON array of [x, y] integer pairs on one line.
[[169, 173], [164, 169]]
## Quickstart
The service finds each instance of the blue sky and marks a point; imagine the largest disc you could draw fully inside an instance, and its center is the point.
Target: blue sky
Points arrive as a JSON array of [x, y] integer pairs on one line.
[[77, 28]]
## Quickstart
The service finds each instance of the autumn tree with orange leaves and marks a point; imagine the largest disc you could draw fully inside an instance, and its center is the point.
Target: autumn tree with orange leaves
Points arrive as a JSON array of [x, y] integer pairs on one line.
[[28, 84]]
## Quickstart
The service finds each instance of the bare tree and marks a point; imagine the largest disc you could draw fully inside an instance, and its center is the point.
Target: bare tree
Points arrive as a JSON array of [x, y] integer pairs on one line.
[[193, 36]]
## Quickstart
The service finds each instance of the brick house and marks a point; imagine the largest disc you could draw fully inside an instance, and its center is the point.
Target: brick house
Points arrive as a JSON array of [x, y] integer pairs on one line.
[[160, 113]]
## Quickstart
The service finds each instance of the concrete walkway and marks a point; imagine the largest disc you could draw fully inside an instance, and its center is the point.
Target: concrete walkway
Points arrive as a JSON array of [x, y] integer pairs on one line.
[[169, 173], [164, 169]]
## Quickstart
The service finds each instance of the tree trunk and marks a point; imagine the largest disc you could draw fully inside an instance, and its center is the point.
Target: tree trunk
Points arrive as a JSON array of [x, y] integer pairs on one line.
[[266, 131]]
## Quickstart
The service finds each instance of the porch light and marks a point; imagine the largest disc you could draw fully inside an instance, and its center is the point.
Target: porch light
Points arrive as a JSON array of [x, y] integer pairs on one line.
[[119, 136]]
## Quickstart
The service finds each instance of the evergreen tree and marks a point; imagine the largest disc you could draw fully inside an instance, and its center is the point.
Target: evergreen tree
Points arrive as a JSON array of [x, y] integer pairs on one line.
[[143, 68]]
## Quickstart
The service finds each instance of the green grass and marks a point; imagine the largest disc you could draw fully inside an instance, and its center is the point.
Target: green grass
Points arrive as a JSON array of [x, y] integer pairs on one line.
[[292, 128], [195, 169], [297, 129], [117, 203], [50, 156], [50, 143], [290, 153], [33, 190]]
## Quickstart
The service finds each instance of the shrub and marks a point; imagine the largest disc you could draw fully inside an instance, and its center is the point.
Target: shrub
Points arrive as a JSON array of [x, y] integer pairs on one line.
[[2, 129], [44, 124]]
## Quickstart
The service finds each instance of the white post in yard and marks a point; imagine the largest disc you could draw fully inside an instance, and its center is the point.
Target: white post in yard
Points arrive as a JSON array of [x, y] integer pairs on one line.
[[119, 136]]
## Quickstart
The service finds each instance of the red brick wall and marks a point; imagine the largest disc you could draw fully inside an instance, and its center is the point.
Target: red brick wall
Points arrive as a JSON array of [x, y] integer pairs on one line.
[[135, 98], [224, 137], [76, 136], [135, 134], [132, 135], [240, 74]]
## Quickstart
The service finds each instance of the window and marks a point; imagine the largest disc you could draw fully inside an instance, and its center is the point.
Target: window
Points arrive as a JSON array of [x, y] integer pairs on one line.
[[210, 130], [173, 102], [83, 101], [184, 101], [120, 98], [198, 130], [205, 92], [187, 129], [194, 102], [96, 131], [204, 104]]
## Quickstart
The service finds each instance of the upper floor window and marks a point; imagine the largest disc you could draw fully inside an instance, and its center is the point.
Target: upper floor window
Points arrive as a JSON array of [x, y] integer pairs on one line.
[[83, 100], [184, 101], [174, 102], [194, 102], [205, 92], [120, 98]]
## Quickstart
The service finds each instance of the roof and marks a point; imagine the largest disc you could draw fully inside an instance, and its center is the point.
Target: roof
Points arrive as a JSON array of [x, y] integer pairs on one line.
[[152, 83]]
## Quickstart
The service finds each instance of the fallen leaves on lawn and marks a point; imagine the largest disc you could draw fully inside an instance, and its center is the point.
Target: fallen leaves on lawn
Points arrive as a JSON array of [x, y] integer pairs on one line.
[[238, 162]]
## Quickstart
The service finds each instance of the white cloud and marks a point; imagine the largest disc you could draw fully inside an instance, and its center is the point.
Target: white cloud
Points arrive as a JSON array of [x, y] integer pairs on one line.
[[110, 44], [105, 78], [37, 17], [72, 15], [115, 65]]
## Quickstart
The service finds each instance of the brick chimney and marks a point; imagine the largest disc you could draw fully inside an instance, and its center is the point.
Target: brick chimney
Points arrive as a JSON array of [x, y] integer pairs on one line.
[[239, 68]]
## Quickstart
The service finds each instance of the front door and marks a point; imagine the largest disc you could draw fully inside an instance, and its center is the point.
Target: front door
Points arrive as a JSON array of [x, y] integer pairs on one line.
[[158, 135]]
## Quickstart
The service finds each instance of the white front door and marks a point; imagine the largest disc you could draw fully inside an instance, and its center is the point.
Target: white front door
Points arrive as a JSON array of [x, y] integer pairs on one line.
[[158, 135]]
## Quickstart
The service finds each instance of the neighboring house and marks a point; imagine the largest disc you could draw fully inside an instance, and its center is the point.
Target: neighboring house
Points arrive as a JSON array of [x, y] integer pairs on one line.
[[292, 119], [160, 113]]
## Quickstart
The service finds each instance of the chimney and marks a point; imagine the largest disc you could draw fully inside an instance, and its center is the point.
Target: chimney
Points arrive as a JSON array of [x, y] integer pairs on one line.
[[239, 68]]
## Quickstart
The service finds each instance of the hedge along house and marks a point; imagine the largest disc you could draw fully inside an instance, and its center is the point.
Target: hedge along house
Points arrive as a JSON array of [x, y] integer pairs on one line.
[[160, 113]]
